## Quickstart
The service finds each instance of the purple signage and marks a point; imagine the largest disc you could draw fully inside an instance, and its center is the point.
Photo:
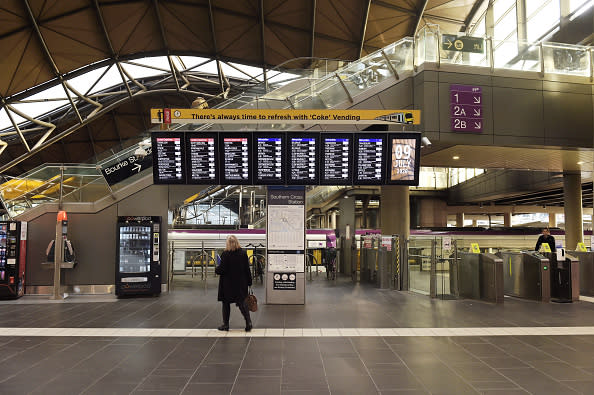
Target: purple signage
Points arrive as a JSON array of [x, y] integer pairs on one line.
[[466, 108]]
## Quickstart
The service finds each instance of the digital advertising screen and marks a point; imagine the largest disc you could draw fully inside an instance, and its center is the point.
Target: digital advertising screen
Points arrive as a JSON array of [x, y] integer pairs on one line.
[[235, 158], [303, 158], [269, 158], [168, 158], [403, 158], [370, 154], [202, 154], [336, 158]]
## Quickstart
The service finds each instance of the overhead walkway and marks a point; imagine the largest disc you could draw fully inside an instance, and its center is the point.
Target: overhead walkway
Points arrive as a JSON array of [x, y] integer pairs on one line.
[[346, 87]]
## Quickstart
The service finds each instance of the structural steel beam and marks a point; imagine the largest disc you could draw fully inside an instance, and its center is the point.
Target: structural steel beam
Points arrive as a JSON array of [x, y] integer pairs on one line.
[[364, 28]]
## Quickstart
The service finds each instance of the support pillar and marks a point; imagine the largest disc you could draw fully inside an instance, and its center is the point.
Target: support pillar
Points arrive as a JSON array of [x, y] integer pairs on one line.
[[572, 194], [552, 220], [395, 220], [459, 220], [346, 226], [507, 220]]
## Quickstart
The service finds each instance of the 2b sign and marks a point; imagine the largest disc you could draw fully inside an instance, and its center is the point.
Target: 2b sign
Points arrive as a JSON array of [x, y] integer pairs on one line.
[[466, 108]]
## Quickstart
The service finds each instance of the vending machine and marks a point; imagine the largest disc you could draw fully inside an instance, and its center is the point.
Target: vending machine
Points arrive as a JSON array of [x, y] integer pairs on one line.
[[138, 265], [13, 251]]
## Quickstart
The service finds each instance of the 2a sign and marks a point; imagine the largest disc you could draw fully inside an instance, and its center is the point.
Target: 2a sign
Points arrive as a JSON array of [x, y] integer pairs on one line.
[[466, 108], [450, 42]]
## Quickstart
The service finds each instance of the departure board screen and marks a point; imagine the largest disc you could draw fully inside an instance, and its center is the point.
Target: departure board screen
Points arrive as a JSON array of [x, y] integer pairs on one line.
[[235, 158], [369, 168], [269, 158], [303, 153], [337, 164], [403, 158], [168, 158], [201, 158]]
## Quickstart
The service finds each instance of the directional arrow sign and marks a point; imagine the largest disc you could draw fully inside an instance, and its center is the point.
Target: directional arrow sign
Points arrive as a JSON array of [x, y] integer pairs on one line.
[[137, 167], [466, 108], [451, 42]]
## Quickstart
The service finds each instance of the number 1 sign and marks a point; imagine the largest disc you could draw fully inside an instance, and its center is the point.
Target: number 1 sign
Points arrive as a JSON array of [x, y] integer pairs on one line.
[[466, 108]]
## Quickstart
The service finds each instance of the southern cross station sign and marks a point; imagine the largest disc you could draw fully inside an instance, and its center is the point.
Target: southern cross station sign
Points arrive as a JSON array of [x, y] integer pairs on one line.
[[285, 116]]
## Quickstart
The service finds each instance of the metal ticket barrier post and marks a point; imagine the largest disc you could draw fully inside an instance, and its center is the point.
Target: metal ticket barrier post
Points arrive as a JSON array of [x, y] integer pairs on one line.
[[564, 275], [480, 276], [586, 264], [526, 275]]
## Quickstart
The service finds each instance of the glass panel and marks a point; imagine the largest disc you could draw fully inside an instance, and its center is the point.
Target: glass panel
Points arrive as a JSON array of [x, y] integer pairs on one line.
[[135, 249], [419, 264], [575, 4], [543, 17], [506, 28], [566, 59], [500, 7], [507, 56]]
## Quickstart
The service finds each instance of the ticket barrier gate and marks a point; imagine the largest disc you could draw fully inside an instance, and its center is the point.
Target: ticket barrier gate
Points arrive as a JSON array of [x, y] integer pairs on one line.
[[480, 276], [565, 278], [375, 267], [586, 259], [526, 275]]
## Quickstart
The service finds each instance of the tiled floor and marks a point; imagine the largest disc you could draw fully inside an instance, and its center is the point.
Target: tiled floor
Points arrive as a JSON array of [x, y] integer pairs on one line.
[[347, 339]]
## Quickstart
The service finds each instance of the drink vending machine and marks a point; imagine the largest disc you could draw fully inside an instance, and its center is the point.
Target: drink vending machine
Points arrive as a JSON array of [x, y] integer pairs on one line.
[[138, 265], [13, 251]]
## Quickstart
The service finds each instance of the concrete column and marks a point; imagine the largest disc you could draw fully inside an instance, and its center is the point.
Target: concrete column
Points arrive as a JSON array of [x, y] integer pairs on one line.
[[333, 220], [347, 219], [507, 220], [552, 220], [364, 217], [433, 213], [572, 193], [460, 220], [395, 210]]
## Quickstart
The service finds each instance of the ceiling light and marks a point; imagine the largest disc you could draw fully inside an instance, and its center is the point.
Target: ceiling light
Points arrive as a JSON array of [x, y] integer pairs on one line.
[[455, 157], [580, 162]]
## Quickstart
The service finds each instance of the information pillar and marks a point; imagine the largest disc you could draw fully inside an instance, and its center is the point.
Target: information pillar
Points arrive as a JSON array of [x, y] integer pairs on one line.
[[285, 238]]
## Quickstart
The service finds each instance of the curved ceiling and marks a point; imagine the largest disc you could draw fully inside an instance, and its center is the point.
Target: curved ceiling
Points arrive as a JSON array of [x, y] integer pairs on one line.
[[43, 40]]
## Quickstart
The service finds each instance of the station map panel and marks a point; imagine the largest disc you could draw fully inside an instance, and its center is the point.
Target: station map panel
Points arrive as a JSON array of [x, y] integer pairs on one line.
[[286, 158]]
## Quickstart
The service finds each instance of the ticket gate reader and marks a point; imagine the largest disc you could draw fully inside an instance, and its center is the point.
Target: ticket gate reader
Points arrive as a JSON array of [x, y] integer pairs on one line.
[[565, 278], [586, 259], [526, 275]]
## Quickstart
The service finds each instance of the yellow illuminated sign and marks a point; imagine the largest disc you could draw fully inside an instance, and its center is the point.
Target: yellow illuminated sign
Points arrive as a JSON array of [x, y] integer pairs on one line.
[[581, 247], [242, 116], [474, 248], [546, 247]]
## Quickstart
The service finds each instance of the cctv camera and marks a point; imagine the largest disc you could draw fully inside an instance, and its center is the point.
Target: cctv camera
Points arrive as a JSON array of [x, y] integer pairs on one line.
[[425, 142]]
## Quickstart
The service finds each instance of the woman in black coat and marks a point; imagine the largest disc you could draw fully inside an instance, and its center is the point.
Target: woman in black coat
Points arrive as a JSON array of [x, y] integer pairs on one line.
[[235, 279]]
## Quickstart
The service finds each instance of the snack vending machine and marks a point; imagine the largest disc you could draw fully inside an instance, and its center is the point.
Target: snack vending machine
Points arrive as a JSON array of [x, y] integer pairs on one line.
[[138, 265], [13, 251]]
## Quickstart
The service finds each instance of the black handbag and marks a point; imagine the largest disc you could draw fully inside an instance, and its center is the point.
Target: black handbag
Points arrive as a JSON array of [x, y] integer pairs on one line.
[[251, 301]]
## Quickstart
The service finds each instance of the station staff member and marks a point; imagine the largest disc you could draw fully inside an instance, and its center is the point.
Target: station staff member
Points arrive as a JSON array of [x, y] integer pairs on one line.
[[545, 237]]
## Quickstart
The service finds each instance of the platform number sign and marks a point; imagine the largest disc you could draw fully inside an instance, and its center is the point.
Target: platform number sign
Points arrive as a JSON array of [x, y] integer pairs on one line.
[[466, 108]]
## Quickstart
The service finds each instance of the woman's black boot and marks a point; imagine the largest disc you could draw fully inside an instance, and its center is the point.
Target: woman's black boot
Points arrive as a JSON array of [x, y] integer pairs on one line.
[[223, 327]]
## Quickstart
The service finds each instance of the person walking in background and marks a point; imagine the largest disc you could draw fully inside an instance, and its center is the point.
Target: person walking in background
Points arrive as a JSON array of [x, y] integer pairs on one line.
[[545, 237], [235, 279]]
